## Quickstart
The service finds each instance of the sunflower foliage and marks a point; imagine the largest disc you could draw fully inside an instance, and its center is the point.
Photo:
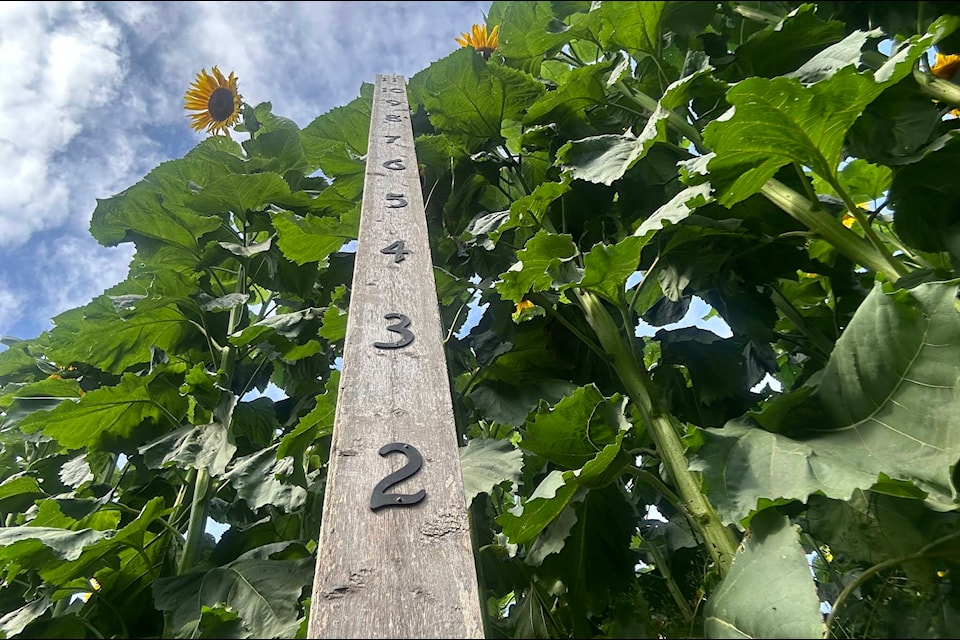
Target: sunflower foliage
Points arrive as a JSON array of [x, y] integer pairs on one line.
[[606, 171]]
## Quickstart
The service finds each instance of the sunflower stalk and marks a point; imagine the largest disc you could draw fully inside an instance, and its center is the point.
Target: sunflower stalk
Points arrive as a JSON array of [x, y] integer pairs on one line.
[[872, 237], [197, 524], [200, 503], [832, 230], [937, 88], [647, 104], [664, 429]]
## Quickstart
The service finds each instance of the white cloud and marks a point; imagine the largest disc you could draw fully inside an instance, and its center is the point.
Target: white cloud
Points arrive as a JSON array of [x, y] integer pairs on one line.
[[60, 62], [92, 97], [14, 304]]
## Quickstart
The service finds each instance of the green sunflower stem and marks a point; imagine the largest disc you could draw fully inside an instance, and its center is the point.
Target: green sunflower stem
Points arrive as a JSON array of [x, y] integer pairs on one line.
[[868, 231], [832, 230], [937, 88], [199, 509], [643, 102], [665, 430]]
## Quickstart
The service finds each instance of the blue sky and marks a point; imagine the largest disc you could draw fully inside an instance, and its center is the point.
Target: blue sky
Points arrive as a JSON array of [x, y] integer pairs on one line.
[[92, 100], [91, 95]]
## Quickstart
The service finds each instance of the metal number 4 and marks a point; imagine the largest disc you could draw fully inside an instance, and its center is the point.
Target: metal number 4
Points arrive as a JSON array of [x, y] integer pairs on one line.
[[399, 253]]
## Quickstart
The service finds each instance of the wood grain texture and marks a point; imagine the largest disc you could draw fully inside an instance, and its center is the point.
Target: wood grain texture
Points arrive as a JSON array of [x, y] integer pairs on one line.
[[398, 572]]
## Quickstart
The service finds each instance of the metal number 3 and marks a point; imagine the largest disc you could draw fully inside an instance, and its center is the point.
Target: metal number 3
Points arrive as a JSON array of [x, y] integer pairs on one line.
[[406, 336], [380, 497]]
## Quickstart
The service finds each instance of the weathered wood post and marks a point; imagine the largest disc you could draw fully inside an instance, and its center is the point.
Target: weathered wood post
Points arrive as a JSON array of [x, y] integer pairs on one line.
[[394, 558]]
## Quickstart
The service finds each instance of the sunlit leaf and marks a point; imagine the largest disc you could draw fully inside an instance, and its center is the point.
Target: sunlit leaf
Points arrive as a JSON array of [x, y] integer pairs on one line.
[[523, 523], [575, 430], [104, 416], [543, 263], [312, 239], [336, 142], [607, 268], [778, 121], [468, 98], [112, 342], [154, 207]]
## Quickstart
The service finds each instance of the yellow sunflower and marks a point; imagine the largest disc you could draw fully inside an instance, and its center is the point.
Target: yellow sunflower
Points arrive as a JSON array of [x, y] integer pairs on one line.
[[216, 100], [480, 40], [946, 66]]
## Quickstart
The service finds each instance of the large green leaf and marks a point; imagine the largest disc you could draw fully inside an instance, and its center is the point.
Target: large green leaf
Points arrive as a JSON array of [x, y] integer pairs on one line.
[[781, 48], [528, 32], [887, 403], [584, 89], [336, 141], [289, 326], [576, 429], [545, 262], [313, 238], [677, 209], [264, 593], [607, 267], [769, 592], [14, 622], [531, 617], [486, 462], [311, 427], [524, 522], [239, 194], [863, 182], [282, 149], [154, 207], [606, 158], [525, 212], [777, 121], [509, 403], [100, 335], [468, 98], [18, 492], [634, 26], [135, 534], [103, 416], [33, 546], [259, 480], [207, 446]]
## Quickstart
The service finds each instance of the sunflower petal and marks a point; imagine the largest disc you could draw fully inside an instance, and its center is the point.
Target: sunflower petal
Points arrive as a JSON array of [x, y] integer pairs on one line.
[[199, 96]]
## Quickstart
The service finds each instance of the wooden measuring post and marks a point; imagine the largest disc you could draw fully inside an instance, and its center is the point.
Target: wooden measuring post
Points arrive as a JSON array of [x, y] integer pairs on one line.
[[394, 558]]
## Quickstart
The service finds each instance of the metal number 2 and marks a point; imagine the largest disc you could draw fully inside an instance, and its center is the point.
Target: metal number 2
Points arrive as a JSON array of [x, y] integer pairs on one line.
[[380, 498], [406, 336]]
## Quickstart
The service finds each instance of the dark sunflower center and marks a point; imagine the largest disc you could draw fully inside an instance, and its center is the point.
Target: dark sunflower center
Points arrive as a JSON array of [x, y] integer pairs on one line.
[[220, 104]]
